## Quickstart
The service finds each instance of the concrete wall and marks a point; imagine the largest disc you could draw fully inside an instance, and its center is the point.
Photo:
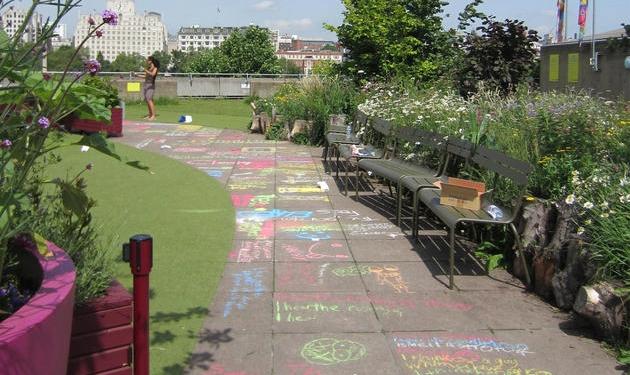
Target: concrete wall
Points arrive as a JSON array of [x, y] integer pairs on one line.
[[611, 81], [182, 86]]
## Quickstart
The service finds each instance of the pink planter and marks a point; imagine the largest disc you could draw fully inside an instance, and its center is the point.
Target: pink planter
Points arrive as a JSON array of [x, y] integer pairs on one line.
[[35, 340], [92, 126]]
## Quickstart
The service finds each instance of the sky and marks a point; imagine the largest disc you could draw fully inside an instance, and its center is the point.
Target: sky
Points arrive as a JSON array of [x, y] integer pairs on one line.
[[306, 17]]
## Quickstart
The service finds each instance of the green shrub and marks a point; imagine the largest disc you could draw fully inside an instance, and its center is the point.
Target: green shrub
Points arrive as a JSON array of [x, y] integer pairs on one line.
[[315, 99], [104, 88]]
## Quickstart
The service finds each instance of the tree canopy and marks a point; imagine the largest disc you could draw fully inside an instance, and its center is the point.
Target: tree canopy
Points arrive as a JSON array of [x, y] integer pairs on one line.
[[395, 37], [124, 62], [250, 51]]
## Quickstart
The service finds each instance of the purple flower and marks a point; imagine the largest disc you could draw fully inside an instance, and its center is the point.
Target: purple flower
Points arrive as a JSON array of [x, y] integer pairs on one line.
[[92, 66], [43, 122], [99, 33], [110, 17], [6, 144], [47, 76], [91, 21]]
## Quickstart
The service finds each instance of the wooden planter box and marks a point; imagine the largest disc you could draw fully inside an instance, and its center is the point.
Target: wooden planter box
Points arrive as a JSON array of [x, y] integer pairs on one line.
[[92, 126], [102, 335]]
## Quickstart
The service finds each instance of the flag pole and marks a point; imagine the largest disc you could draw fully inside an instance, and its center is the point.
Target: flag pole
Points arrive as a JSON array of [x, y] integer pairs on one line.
[[595, 64]]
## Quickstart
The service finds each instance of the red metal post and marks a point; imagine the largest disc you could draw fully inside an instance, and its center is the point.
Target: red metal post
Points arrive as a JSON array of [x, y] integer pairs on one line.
[[141, 262]]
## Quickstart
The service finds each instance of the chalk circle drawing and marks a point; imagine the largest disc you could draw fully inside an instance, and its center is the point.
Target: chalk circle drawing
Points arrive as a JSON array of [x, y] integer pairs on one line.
[[330, 351]]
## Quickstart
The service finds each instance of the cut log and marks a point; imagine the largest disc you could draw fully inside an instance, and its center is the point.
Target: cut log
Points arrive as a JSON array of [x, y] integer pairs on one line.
[[605, 310]]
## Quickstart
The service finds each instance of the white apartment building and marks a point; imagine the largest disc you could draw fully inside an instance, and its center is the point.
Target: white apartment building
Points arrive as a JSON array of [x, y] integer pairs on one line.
[[143, 34], [195, 37], [60, 37], [13, 18]]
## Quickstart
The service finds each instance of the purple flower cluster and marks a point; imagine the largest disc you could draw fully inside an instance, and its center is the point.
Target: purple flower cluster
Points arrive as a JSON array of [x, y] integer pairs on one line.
[[43, 122], [110, 17], [92, 66], [13, 298], [98, 33], [5, 144], [91, 21]]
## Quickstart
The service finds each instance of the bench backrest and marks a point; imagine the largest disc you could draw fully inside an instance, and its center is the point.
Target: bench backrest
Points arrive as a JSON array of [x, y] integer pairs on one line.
[[502, 165], [360, 119], [461, 148], [382, 127]]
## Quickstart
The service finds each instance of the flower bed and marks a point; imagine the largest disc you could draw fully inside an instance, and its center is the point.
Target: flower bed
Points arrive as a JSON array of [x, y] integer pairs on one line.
[[35, 339], [114, 129]]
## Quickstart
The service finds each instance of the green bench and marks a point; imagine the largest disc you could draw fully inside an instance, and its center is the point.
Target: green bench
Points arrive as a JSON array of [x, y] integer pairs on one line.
[[502, 166]]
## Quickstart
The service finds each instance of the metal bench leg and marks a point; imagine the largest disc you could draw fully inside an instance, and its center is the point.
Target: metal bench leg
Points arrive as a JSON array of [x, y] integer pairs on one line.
[[414, 231], [451, 259], [347, 180], [326, 150], [337, 165], [399, 203], [522, 254], [356, 183]]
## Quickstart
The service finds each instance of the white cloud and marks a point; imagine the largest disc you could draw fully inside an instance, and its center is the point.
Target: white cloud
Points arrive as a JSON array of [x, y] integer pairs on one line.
[[263, 5], [299, 24]]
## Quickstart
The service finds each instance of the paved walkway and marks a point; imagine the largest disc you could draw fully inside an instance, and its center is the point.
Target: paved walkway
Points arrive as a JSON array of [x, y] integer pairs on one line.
[[318, 283]]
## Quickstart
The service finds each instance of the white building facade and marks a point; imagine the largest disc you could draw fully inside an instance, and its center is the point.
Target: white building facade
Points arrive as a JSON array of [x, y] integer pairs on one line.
[[195, 38], [306, 60], [142, 34], [12, 20]]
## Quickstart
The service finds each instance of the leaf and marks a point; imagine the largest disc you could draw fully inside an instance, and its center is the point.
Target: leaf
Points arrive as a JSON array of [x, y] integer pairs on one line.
[[42, 245], [73, 198], [494, 261]]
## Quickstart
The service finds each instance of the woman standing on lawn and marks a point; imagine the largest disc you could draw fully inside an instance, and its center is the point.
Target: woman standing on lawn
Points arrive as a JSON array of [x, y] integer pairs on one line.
[[150, 74]]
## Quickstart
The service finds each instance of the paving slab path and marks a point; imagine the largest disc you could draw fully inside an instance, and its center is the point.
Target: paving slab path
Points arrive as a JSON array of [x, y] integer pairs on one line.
[[319, 283]]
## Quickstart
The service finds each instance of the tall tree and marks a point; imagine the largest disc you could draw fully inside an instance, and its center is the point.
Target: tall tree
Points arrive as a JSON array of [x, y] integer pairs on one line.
[[395, 37], [164, 57], [124, 62], [105, 64], [178, 61], [502, 54], [250, 51], [206, 61]]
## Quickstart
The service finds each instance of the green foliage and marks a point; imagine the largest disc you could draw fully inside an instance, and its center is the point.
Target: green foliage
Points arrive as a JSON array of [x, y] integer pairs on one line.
[[104, 85], [178, 61], [502, 56], [315, 99], [164, 57], [206, 61], [105, 64], [70, 226], [124, 62], [485, 253], [61, 57], [30, 109], [276, 132], [395, 37], [288, 66], [250, 51], [326, 68]]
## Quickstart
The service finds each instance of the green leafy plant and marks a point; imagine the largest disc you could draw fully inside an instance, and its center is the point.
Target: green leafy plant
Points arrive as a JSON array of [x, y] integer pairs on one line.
[[31, 106], [106, 88]]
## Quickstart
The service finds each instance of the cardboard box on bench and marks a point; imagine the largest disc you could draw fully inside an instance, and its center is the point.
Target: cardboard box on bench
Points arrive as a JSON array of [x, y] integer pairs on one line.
[[461, 193]]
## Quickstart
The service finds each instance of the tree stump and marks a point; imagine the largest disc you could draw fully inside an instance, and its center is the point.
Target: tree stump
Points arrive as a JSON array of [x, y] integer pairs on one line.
[[605, 310]]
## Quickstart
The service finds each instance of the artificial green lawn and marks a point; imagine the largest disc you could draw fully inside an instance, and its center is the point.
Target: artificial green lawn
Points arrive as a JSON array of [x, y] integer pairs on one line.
[[216, 113], [191, 219]]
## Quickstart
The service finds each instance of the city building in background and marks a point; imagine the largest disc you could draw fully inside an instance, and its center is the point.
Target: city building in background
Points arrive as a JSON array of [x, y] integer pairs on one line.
[[12, 20], [143, 34], [589, 64], [61, 36], [195, 37], [305, 53]]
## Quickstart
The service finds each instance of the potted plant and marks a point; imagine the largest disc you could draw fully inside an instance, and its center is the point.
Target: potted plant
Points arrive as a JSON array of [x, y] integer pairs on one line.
[[104, 90], [36, 277]]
